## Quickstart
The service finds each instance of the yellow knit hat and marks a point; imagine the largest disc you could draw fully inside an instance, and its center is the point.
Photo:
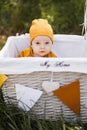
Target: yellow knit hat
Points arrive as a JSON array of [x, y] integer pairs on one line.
[[40, 27]]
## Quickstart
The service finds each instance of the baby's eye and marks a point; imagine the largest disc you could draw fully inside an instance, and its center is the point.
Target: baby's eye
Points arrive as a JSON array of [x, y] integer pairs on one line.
[[37, 42], [46, 42]]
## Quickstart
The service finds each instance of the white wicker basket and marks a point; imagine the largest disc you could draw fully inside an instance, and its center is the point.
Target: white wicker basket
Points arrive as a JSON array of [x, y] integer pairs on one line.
[[49, 106], [27, 72]]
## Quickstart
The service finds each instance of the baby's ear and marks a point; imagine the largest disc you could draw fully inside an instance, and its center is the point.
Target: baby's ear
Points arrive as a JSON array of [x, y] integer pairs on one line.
[[31, 45]]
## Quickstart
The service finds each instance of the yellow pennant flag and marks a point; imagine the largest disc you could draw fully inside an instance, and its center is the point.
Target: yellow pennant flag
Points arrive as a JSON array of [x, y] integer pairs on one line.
[[3, 78], [70, 95]]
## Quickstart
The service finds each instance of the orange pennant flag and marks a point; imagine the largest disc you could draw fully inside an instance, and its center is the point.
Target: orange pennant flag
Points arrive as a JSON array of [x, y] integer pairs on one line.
[[3, 78], [70, 95]]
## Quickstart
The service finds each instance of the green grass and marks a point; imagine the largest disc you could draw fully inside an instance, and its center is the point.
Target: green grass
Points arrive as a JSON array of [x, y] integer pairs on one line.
[[3, 39], [13, 118], [1, 45]]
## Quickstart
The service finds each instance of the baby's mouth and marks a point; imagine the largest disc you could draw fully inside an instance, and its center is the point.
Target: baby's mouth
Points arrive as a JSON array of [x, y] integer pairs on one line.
[[42, 51]]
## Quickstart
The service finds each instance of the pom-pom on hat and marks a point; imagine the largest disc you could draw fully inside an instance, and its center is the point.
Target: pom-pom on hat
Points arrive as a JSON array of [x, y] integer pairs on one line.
[[40, 27]]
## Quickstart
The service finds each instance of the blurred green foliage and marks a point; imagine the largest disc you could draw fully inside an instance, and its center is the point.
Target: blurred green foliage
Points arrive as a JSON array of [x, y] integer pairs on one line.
[[14, 118], [65, 16]]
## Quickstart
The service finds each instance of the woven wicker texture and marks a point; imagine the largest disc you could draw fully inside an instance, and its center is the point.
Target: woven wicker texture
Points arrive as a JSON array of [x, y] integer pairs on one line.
[[48, 106]]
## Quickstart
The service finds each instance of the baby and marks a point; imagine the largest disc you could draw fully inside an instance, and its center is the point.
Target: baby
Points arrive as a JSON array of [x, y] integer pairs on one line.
[[41, 40]]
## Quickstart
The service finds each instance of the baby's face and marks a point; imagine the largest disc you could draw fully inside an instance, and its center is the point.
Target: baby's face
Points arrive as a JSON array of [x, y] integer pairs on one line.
[[41, 46]]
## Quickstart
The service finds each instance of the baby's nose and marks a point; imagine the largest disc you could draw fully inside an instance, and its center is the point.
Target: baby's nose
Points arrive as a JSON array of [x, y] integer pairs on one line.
[[42, 45]]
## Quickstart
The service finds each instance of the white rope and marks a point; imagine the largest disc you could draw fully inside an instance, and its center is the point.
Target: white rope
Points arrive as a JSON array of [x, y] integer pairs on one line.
[[51, 77], [85, 20]]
